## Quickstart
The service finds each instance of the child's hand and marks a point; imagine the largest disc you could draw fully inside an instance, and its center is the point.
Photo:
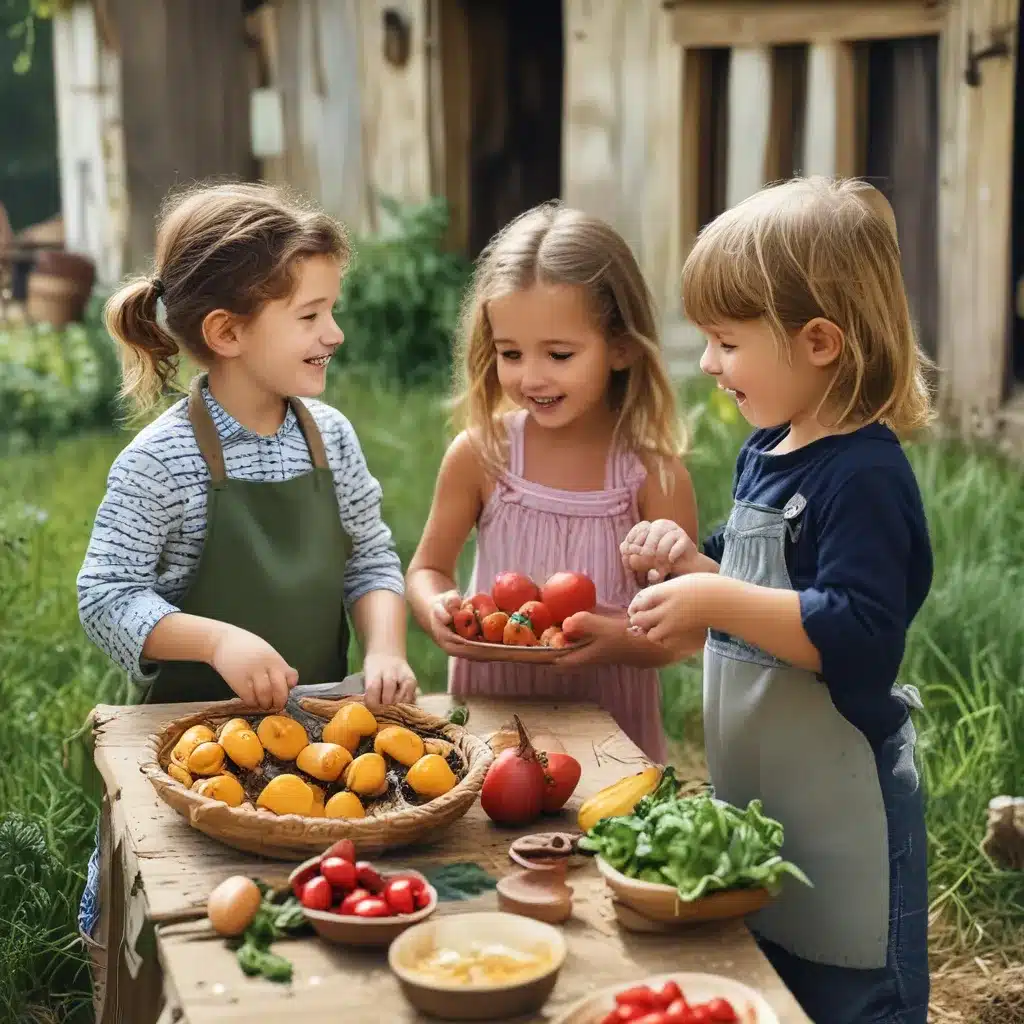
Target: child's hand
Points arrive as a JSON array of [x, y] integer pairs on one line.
[[656, 550], [444, 606], [252, 668], [389, 680], [671, 613]]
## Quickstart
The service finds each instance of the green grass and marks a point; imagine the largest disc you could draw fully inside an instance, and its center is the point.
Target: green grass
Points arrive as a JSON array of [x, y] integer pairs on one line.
[[966, 654]]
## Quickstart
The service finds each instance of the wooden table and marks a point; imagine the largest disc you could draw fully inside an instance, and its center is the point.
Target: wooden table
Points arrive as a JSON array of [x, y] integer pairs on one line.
[[162, 871]]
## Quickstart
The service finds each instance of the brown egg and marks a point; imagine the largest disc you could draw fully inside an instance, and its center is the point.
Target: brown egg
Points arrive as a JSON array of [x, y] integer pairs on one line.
[[233, 904]]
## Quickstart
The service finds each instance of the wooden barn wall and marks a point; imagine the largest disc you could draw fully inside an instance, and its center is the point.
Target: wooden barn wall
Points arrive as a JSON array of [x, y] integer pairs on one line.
[[622, 132], [311, 56], [185, 103]]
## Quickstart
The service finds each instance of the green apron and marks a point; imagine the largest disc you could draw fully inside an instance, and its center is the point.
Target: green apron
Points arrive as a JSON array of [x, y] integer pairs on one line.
[[273, 563]]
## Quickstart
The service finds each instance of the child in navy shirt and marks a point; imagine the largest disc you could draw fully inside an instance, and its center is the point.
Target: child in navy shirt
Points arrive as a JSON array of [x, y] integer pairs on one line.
[[808, 590]]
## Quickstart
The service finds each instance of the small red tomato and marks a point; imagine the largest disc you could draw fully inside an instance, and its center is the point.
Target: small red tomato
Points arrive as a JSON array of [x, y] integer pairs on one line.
[[679, 1013], [348, 904], [539, 615], [343, 848], [340, 873], [422, 898], [654, 1017], [317, 894], [399, 895], [415, 882], [722, 1010], [639, 995], [368, 876], [699, 1015], [303, 876], [372, 906], [466, 624], [482, 604], [668, 994], [623, 1014]]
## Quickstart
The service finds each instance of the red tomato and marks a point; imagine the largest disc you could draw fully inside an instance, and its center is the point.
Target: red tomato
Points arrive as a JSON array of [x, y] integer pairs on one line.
[[722, 1010], [563, 775], [482, 604], [422, 898], [668, 994], [654, 1017], [624, 1014], [539, 615], [368, 876], [339, 872], [567, 593], [399, 895], [699, 1015], [678, 1012], [300, 880], [343, 848], [372, 906], [466, 624], [639, 995], [416, 884], [513, 789], [348, 904], [317, 894], [512, 590]]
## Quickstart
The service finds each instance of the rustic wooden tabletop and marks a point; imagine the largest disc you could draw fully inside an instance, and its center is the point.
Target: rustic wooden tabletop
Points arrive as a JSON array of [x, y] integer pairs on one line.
[[182, 971]]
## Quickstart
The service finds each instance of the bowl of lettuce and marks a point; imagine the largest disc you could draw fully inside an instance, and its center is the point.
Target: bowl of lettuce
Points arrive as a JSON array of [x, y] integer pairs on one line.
[[691, 857]]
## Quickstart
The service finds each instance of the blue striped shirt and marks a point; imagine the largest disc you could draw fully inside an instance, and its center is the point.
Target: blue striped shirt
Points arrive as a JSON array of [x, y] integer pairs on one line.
[[150, 526]]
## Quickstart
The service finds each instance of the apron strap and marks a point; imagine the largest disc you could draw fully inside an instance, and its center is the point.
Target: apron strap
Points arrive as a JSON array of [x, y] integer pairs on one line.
[[317, 451], [209, 441], [206, 431]]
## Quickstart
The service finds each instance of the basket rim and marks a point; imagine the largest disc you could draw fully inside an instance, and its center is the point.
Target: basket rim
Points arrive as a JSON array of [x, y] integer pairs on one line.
[[478, 759]]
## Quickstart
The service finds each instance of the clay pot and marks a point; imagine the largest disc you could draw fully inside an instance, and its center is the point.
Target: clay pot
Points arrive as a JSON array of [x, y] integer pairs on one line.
[[59, 287]]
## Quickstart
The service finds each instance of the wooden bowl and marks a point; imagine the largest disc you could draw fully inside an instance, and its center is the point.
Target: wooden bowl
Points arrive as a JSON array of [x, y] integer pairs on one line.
[[662, 903], [479, 650], [697, 988], [293, 836], [462, 932], [345, 930]]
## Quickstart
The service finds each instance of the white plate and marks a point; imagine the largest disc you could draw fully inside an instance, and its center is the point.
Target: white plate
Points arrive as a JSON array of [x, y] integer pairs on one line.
[[697, 988]]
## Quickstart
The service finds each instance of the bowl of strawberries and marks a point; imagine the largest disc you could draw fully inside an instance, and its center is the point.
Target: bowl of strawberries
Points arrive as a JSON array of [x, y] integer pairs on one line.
[[517, 620]]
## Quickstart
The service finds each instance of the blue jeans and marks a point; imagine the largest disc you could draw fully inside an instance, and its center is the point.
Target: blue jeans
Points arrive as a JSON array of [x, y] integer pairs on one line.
[[898, 992]]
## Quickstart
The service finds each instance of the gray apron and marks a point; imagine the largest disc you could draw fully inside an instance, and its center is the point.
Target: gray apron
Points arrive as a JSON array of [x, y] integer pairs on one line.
[[772, 732]]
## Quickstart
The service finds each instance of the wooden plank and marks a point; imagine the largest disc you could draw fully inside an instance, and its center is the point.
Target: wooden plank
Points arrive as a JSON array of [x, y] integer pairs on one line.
[[975, 205], [835, 124], [788, 109], [750, 107], [748, 23], [90, 140], [453, 57], [176, 867], [394, 108], [691, 166]]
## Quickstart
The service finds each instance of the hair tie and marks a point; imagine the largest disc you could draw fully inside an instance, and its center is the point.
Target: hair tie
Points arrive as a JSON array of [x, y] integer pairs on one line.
[[158, 286]]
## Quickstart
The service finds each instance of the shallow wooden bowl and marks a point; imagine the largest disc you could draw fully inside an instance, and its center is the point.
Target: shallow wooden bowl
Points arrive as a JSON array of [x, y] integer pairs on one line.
[[345, 930], [662, 903], [697, 988], [462, 932], [479, 650], [294, 836]]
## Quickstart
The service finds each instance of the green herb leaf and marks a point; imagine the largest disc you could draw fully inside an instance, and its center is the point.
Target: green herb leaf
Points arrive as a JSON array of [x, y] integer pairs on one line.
[[256, 961], [459, 715], [459, 881]]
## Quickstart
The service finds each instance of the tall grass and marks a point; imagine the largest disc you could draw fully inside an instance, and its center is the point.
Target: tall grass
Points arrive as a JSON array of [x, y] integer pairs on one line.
[[965, 653]]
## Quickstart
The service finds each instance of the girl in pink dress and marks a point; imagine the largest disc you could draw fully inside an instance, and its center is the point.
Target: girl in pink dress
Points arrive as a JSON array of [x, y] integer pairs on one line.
[[569, 438]]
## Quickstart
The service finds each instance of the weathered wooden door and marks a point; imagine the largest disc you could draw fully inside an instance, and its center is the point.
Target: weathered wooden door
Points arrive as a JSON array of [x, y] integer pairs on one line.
[[185, 102]]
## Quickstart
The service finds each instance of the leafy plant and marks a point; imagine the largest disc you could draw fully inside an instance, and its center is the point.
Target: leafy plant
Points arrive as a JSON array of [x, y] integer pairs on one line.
[[399, 304]]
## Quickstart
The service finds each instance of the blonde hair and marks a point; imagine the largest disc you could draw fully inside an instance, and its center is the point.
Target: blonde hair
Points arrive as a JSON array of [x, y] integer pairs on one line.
[[818, 247], [221, 246], [554, 245]]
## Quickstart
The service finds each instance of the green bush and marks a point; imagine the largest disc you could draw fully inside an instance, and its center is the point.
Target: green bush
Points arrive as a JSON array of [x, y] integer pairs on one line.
[[55, 382], [399, 304]]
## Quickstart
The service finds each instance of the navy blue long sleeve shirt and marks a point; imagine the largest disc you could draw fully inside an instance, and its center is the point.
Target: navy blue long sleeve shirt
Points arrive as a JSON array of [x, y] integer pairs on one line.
[[861, 562]]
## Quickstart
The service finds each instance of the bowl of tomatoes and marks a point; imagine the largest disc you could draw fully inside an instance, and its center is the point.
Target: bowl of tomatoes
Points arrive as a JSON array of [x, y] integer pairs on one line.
[[351, 903], [519, 620], [679, 998]]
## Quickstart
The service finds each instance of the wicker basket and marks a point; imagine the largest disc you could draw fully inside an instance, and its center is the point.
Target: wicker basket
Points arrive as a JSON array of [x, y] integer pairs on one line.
[[294, 836]]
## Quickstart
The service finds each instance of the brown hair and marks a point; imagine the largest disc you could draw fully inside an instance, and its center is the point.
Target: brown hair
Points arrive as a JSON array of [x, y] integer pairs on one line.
[[222, 246], [552, 244], [819, 247]]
